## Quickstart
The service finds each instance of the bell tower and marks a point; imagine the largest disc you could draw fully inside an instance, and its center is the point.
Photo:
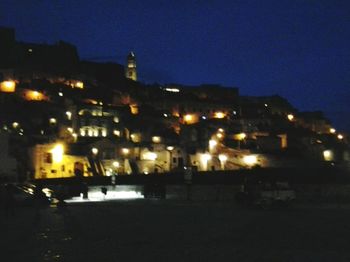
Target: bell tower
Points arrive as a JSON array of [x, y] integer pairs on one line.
[[130, 71]]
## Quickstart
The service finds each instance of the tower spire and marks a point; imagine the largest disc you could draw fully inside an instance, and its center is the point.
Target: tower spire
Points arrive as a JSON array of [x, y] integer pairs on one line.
[[130, 71]]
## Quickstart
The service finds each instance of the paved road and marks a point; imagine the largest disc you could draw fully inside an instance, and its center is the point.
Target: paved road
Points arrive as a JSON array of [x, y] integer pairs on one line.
[[152, 230]]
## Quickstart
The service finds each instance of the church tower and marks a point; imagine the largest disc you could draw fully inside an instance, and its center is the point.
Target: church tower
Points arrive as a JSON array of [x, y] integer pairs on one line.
[[130, 71]]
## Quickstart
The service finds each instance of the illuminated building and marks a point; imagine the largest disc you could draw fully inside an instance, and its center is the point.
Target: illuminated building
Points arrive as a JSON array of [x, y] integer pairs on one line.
[[51, 161]]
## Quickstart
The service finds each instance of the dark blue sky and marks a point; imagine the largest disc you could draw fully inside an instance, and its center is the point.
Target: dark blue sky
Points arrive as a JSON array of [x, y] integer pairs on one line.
[[296, 48]]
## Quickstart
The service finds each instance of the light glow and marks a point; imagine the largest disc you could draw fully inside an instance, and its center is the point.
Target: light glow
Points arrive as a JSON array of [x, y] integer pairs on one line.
[[34, 95], [150, 156], [97, 196], [205, 157], [69, 115], [188, 118], [212, 143], [57, 153], [250, 160], [240, 136], [173, 90], [79, 84], [94, 150], [156, 139], [125, 151], [219, 115], [220, 135], [8, 86], [222, 158], [328, 155], [290, 117], [52, 120], [170, 148]]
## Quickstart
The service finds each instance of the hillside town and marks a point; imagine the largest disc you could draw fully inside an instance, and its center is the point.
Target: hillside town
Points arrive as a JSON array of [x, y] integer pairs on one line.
[[64, 117]]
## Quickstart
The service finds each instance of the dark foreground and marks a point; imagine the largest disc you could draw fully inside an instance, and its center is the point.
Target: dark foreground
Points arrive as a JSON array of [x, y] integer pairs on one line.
[[156, 230]]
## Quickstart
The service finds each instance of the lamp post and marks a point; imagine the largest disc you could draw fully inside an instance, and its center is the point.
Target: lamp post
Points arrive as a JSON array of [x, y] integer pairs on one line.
[[170, 150], [115, 172]]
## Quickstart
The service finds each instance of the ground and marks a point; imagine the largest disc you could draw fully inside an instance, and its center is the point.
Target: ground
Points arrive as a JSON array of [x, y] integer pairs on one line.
[[164, 230]]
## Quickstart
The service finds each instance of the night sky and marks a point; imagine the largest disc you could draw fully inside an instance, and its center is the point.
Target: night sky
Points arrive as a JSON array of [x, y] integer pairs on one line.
[[298, 49]]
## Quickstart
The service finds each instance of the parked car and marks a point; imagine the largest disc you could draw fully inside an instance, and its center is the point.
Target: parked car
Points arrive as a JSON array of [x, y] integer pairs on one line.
[[23, 195]]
